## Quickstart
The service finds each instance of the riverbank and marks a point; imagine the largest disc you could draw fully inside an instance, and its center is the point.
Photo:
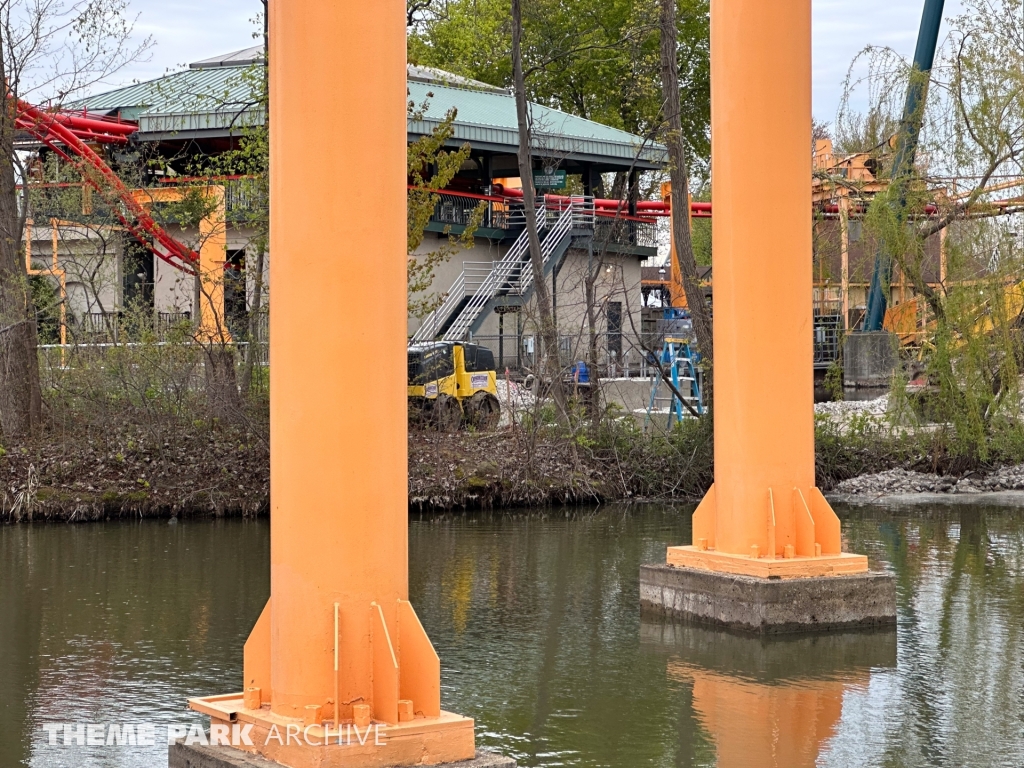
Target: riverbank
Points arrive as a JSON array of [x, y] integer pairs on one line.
[[120, 471], [175, 468], [901, 482], [123, 470]]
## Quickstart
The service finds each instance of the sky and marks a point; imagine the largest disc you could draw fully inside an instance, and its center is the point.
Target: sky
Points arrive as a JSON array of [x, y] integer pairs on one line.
[[190, 30]]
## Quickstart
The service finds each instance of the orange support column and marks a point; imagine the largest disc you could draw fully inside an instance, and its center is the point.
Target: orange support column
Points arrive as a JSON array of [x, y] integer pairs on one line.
[[676, 292], [338, 648], [212, 245], [763, 516]]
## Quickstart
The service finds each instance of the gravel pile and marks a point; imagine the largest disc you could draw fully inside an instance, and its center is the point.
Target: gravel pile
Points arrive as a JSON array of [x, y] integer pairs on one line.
[[513, 397], [895, 482], [843, 408]]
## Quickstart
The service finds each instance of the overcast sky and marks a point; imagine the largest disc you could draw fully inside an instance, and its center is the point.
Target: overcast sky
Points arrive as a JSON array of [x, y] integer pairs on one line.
[[189, 30]]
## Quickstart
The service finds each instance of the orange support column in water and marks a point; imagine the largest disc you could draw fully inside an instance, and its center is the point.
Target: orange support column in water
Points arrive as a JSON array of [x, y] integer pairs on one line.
[[763, 516], [338, 646]]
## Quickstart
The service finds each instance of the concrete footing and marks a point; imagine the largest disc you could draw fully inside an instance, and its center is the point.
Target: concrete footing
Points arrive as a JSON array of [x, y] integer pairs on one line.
[[769, 606], [198, 756], [870, 359]]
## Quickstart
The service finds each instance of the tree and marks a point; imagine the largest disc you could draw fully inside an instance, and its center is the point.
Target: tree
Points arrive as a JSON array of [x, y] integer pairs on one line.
[[971, 155], [679, 174], [431, 168], [598, 59], [48, 51], [548, 332]]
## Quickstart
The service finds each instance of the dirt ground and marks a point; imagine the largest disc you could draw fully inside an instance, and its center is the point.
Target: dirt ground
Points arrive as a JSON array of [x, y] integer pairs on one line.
[[122, 472]]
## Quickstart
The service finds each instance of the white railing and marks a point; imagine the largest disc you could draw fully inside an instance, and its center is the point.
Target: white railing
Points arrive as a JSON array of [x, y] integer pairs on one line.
[[474, 275], [481, 282], [432, 323], [561, 228], [514, 274], [457, 293]]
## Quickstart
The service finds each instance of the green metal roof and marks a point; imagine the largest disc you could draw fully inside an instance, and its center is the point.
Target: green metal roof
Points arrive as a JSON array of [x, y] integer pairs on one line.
[[218, 98], [489, 118], [215, 100]]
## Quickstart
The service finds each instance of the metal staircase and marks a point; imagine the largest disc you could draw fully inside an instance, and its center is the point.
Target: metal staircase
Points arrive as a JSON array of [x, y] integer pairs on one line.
[[480, 284]]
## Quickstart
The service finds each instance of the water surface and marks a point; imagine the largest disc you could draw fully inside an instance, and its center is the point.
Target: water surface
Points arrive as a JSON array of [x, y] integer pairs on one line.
[[536, 621]]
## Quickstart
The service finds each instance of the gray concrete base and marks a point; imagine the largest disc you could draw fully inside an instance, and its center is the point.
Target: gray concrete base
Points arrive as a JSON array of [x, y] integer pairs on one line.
[[198, 756], [769, 606], [870, 359]]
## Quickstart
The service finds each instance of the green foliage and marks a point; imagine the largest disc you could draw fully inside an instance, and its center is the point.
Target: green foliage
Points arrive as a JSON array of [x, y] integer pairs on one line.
[[598, 59], [192, 208], [972, 354], [431, 167], [633, 463], [863, 445], [677, 463], [700, 232], [834, 380], [46, 300]]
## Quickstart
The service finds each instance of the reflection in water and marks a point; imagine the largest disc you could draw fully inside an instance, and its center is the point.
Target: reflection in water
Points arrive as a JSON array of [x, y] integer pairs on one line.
[[535, 618], [117, 623], [536, 622], [771, 702]]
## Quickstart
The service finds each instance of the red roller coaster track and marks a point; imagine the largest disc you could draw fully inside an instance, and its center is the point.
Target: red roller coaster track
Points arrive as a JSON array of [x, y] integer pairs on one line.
[[66, 134]]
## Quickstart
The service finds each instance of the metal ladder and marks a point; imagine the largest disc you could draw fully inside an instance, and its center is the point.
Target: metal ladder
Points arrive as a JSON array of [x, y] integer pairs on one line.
[[678, 358]]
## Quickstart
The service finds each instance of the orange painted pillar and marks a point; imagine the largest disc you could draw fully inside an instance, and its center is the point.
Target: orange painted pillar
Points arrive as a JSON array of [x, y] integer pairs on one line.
[[676, 290], [764, 497], [338, 324], [213, 326], [338, 644]]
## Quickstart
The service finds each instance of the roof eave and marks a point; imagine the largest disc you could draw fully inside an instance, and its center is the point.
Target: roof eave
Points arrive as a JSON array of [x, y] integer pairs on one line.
[[650, 156]]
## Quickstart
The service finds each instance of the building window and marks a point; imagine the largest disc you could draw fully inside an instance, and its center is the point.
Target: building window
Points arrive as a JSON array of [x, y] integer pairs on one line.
[[614, 315]]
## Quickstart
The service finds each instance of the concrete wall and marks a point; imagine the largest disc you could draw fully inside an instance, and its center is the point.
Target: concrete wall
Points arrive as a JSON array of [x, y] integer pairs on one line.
[[617, 283], [483, 252], [631, 395], [174, 291], [616, 294], [92, 260]]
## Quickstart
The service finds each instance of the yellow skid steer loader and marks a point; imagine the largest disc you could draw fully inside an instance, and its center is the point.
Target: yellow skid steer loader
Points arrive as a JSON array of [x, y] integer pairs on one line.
[[452, 383]]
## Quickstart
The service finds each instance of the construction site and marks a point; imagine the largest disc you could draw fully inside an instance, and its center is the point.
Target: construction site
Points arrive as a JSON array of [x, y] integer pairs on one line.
[[615, 282], [433, 415]]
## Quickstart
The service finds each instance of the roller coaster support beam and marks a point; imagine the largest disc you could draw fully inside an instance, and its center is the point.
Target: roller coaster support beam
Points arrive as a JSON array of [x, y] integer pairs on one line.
[[763, 516], [338, 646], [906, 150]]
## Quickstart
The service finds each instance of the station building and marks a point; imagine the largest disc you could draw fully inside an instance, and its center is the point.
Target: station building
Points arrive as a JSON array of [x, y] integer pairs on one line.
[[593, 258]]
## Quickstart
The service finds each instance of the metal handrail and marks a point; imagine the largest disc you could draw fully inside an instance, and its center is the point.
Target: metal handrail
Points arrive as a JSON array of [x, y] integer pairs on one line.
[[497, 277], [562, 227], [432, 323], [457, 293], [502, 274], [513, 272], [475, 274]]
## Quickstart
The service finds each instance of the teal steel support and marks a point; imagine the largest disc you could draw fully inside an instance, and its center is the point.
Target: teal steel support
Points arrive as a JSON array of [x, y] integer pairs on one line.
[[906, 149]]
